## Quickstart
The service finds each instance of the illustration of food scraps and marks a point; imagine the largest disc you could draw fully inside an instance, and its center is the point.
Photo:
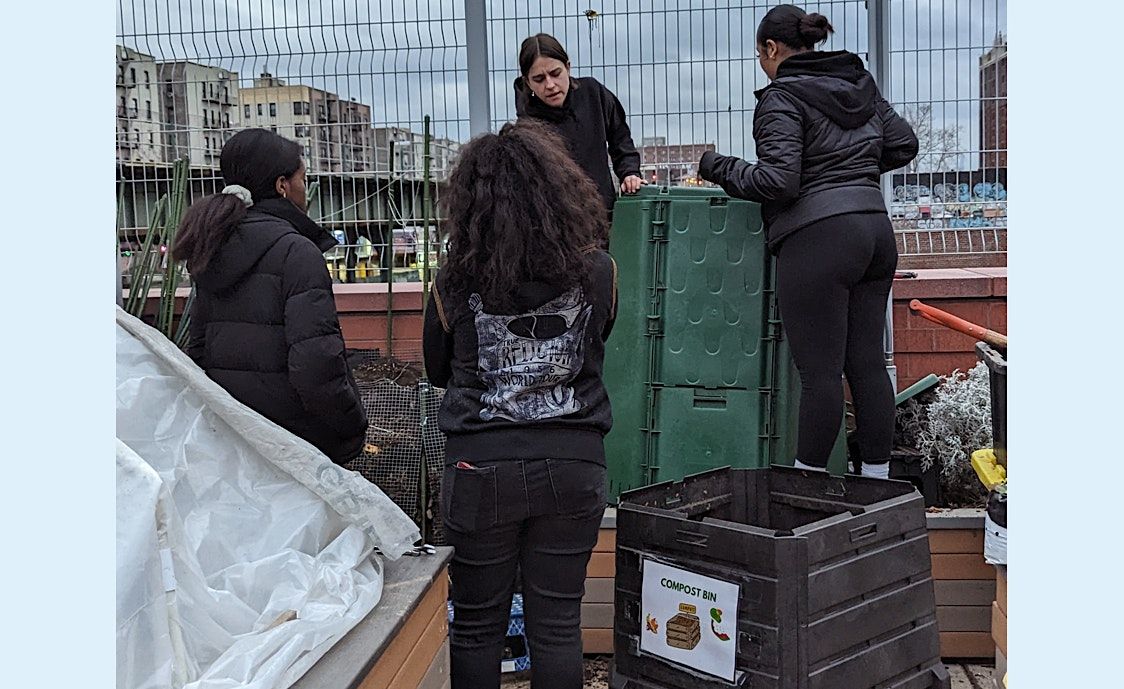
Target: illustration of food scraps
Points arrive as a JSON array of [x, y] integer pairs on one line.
[[716, 619], [683, 630]]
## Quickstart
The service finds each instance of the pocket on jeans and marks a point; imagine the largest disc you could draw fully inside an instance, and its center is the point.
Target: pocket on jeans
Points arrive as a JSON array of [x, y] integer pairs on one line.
[[468, 498], [579, 486]]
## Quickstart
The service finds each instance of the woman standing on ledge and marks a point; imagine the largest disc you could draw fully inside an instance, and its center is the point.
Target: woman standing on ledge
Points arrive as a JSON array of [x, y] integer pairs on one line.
[[824, 136]]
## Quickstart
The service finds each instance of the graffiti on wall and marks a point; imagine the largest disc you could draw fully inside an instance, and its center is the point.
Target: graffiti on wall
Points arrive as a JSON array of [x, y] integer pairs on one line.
[[950, 193], [949, 206]]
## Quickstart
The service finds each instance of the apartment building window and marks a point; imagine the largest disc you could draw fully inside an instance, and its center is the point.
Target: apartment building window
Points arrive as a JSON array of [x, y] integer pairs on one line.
[[259, 110], [226, 120], [148, 109], [134, 111], [133, 74], [151, 138], [246, 110], [123, 106], [296, 107], [307, 151], [273, 129], [211, 89], [273, 110], [302, 131]]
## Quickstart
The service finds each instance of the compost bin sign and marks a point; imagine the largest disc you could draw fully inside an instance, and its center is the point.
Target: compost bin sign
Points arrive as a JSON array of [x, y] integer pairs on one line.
[[689, 618]]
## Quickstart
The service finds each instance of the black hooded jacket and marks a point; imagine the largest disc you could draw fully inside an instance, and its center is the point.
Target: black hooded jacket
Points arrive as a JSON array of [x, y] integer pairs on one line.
[[526, 382], [590, 120], [264, 327], [824, 135]]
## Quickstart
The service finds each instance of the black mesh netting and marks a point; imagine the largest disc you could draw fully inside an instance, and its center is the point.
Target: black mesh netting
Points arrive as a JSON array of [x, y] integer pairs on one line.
[[399, 436]]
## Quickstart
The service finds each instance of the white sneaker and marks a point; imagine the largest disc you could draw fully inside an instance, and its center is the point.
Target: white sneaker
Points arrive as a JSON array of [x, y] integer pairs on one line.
[[881, 470], [801, 465]]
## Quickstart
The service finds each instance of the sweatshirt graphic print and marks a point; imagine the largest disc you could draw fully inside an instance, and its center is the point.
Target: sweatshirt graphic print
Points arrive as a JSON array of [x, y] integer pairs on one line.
[[529, 361]]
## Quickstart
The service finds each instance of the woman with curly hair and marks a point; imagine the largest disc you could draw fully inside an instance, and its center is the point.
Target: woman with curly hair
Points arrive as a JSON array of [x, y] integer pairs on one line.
[[515, 330]]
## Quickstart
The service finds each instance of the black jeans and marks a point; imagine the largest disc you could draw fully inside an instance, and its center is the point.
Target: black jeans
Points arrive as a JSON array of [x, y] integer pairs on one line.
[[833, 280], [542, 515]]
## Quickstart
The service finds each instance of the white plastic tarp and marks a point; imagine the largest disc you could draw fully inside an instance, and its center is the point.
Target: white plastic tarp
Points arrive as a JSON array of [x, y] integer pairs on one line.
[[243, 553]]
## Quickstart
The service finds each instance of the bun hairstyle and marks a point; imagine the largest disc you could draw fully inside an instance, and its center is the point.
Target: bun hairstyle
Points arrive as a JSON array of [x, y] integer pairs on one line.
[[793, 27]]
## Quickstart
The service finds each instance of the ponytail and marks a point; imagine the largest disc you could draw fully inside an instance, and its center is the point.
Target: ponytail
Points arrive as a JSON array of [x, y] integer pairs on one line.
[[205, 227]]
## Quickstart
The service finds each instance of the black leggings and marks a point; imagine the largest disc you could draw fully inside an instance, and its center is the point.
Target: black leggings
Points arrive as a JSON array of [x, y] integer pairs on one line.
[[833, 280]]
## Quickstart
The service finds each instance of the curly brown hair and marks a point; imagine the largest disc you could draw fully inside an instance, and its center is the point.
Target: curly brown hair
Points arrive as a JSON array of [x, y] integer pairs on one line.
[[519, 209]]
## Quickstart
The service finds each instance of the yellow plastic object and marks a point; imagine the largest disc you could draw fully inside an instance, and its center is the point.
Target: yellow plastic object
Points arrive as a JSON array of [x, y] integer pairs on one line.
[[988, 468]]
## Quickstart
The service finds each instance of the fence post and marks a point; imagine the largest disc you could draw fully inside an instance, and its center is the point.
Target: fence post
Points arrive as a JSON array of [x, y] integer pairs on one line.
[[120, 279], [878, 60], [479, 103]]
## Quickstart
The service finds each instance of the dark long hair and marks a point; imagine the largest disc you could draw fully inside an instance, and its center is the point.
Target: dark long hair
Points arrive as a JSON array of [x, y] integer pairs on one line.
[[540, 45], [795, 28], [519, 209], [254, 159]]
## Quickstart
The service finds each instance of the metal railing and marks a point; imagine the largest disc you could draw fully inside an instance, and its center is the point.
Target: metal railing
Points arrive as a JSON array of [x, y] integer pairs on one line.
[[352, 81]]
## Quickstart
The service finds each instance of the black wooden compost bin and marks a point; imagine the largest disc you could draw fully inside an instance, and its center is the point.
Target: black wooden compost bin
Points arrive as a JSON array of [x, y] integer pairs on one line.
[[833, 581]]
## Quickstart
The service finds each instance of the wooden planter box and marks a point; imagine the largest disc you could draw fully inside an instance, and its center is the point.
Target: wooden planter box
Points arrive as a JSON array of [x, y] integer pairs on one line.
[[999, 625], [597, 605], [963, 581], [403, 643]]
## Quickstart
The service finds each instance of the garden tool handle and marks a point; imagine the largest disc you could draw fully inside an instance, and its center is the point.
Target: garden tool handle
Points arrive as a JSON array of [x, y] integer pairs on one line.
[[959, 324]]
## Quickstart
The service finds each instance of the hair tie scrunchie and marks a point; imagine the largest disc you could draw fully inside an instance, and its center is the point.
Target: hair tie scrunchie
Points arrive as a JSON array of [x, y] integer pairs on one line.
[[241, 192]]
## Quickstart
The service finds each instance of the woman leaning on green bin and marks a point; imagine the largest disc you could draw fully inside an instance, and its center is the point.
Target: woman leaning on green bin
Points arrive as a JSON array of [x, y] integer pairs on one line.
[[587, 115]]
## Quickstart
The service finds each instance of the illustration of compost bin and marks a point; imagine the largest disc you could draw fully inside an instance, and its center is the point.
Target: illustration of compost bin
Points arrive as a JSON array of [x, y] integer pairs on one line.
[[683, 630]]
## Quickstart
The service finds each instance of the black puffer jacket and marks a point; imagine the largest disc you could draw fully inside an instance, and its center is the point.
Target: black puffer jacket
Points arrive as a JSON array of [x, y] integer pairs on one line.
[[592, 121], [824, 134], [264, 327]]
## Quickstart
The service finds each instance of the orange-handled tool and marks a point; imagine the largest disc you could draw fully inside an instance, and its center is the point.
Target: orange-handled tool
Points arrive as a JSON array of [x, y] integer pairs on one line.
[[959, 324]]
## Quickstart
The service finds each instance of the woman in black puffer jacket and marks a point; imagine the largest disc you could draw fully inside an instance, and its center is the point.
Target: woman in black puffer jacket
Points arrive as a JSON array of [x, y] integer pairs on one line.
[[824, 135], [263, 323]]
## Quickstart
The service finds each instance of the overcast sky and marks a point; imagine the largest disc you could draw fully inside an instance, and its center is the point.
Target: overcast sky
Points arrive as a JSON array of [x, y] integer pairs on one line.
[[684, 70]]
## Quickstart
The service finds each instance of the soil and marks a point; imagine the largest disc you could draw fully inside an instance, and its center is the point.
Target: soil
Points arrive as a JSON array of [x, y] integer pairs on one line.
[[375, 369]]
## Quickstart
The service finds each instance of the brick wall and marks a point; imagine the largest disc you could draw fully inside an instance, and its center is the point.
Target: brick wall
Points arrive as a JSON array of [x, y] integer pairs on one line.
[[921, 347], [363, 312]]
